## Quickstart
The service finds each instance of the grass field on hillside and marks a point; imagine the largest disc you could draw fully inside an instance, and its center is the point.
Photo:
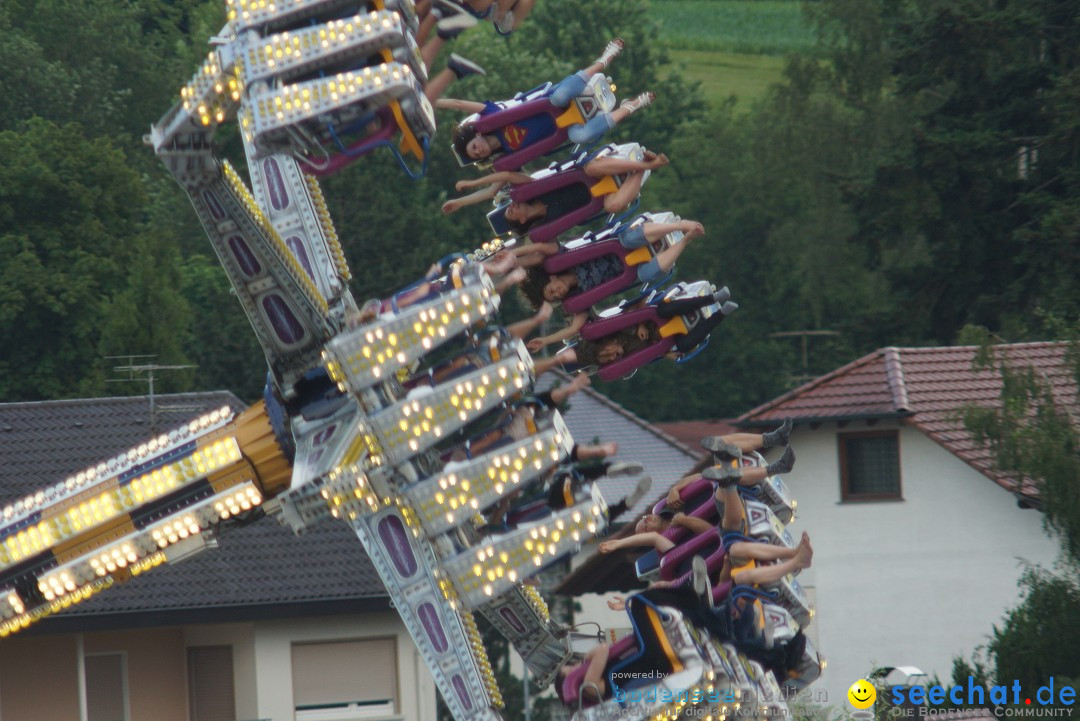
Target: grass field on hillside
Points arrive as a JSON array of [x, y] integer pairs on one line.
[[724, 74], [759, 27], [733, 47]]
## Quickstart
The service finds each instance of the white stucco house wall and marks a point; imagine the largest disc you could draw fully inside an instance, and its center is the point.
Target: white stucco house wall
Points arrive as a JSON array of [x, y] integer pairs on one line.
[[918, 542]]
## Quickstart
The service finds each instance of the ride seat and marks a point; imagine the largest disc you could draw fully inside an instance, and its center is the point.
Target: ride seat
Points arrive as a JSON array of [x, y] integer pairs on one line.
[[550, 228], [583, 300], [675, 565], [602, 327]]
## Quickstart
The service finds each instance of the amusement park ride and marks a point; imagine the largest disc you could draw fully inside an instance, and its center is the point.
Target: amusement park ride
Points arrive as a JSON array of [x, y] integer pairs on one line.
[[358, 423]]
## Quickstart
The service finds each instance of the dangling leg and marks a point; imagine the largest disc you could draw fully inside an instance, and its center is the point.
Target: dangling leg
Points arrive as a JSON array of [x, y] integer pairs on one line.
[[599, 167], [587, 452], [735, 444], [744, 551], [704, 327], [629, 107], [649, 232], [573, 85], [456, 68], [765, 575], [732, 517], [664, 261], [622, 198], [682, 306], [751, 475]]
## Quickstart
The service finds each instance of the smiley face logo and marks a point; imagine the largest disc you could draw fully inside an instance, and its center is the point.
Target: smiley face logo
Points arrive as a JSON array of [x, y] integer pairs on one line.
[[861, 695]]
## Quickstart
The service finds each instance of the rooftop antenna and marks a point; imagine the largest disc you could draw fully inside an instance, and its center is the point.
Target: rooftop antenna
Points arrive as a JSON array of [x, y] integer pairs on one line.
[[143, 372], [806, 376]]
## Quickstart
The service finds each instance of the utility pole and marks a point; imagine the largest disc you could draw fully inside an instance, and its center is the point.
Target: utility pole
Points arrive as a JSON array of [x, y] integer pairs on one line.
[[144, 373]]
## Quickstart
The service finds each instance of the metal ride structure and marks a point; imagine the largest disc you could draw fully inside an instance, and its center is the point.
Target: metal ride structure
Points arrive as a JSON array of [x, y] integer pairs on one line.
[[315, 84]]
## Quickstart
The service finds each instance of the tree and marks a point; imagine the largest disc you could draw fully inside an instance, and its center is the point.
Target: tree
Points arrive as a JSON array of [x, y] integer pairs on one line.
[[69, 214], [1032, 434]]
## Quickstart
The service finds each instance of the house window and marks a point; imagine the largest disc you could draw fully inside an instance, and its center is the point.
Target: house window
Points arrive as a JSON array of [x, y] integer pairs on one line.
[[106, 687], [869, 466], [345, 679], [210, 683]]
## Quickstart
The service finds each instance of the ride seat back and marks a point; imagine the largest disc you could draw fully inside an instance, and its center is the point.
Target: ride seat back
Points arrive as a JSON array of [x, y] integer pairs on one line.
[[675, 564], [581, 301]]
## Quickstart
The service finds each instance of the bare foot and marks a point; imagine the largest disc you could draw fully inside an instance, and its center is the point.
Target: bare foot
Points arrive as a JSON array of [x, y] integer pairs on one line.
[[692, 229], [658, 161], [805, 554]]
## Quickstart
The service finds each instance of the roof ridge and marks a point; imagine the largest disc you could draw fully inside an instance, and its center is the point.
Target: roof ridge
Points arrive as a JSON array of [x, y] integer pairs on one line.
[[1029, 344], [863, 360], [894, 372], [107, 399]]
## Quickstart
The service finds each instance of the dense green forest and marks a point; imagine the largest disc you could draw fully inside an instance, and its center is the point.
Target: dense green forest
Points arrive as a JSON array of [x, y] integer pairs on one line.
[[914, 172]]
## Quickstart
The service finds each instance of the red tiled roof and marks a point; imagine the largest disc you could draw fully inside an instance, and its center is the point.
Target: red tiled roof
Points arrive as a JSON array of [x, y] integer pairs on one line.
[[927, 387]]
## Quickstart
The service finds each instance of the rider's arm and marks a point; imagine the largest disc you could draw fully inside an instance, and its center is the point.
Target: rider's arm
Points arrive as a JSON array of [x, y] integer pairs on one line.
[[692, 523], [495, 179], [533, 254], [569, 331], [673, 497], [594, 674], [465, 106], [455, 204]]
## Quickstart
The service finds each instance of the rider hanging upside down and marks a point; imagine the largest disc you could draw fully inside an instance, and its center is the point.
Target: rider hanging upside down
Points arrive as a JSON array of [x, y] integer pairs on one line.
[[610, 348], [522, 133], [539, 286], [563, 199]]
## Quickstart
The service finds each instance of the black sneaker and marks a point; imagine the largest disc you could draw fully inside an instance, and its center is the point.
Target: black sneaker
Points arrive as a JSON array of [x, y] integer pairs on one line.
[[462, 67], [720, 447], [726, 474], [450, 27]]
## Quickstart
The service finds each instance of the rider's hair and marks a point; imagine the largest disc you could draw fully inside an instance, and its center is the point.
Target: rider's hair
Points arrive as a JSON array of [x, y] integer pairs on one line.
[[532, 288], [460, 138]]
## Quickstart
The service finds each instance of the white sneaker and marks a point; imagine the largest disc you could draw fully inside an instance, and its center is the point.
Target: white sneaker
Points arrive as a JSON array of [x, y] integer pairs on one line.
[[639, 491], [702, 584]]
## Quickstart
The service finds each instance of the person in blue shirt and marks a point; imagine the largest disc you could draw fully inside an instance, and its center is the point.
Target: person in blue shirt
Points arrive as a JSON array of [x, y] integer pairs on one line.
[[523, 133]]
